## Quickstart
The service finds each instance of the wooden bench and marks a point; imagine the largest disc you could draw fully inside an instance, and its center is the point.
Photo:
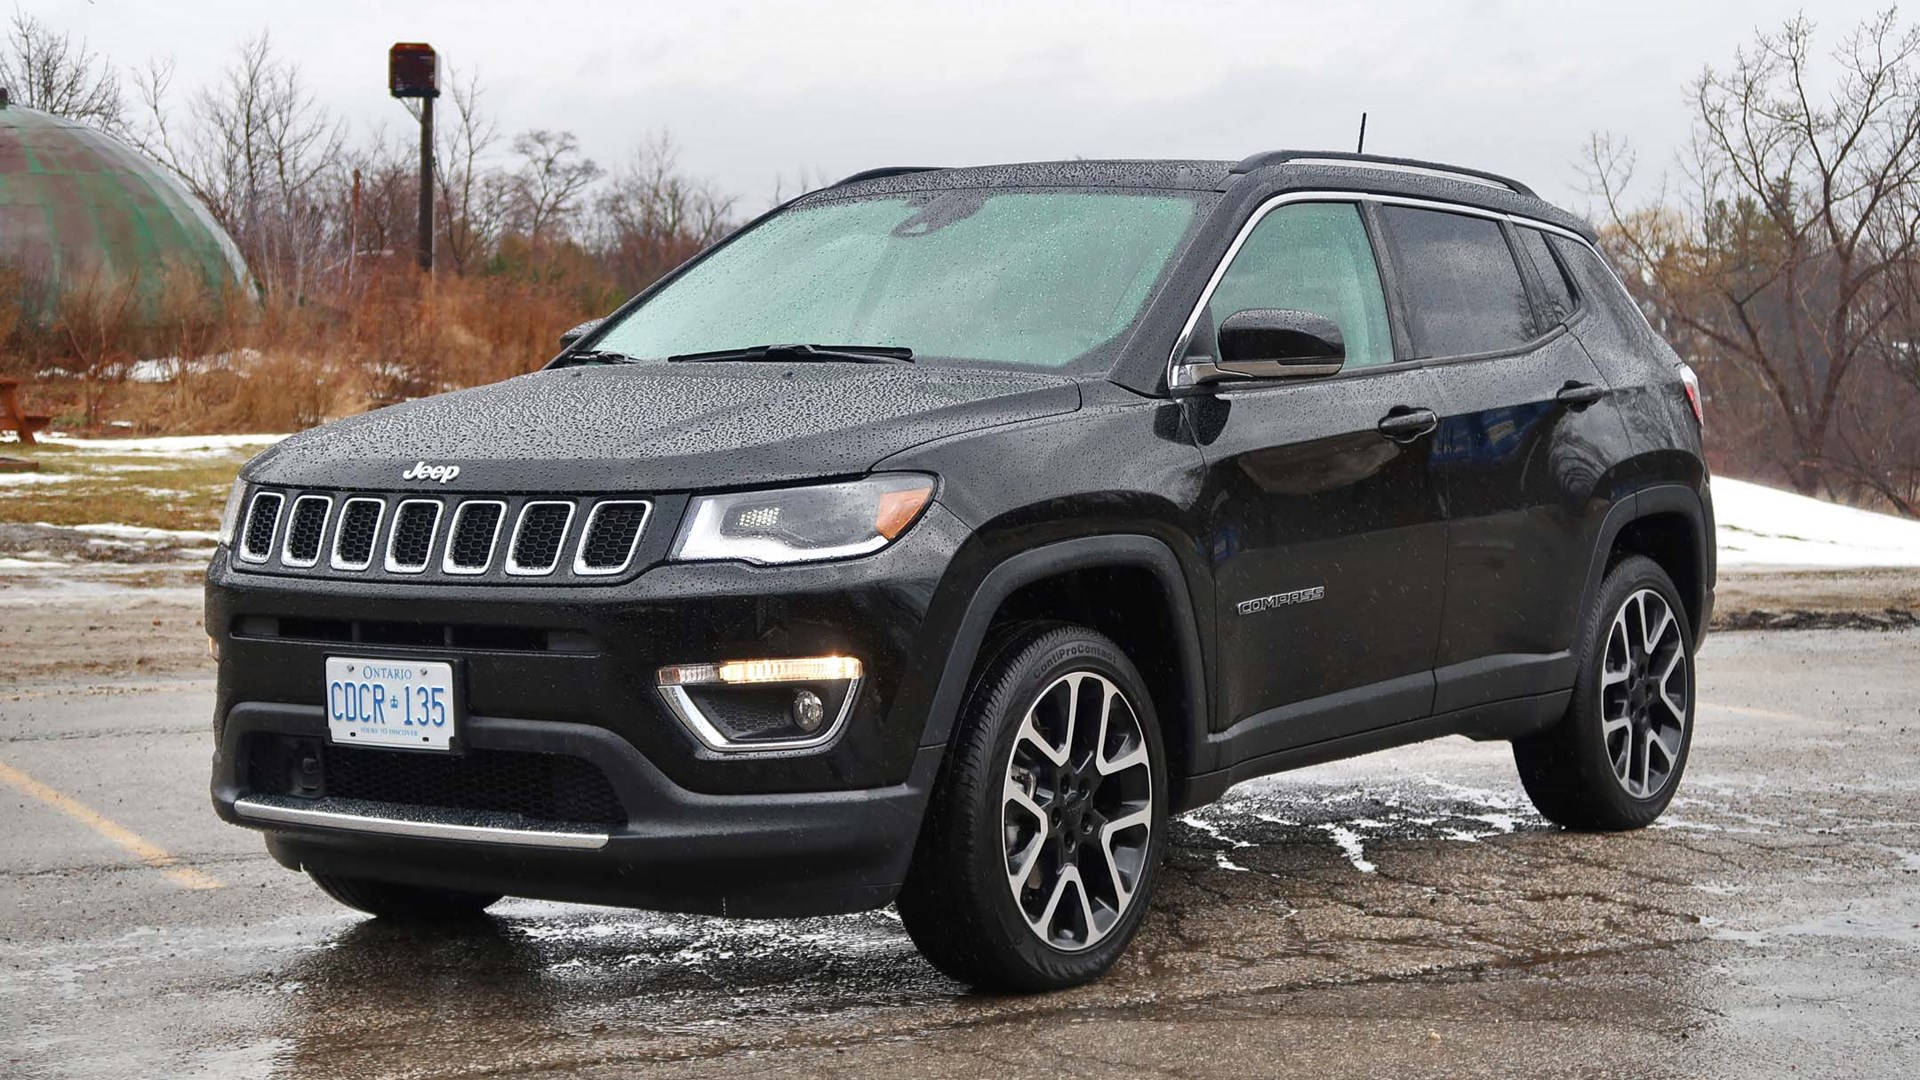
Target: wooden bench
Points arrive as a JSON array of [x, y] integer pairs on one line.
[[17, 418]]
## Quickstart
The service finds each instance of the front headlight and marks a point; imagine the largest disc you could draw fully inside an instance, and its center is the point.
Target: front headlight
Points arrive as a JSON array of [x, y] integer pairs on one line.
[[790, 525], [230, 517]]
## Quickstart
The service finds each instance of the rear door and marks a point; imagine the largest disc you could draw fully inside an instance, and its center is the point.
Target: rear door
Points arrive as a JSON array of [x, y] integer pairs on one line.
[[1328, 540], [1525, 436]]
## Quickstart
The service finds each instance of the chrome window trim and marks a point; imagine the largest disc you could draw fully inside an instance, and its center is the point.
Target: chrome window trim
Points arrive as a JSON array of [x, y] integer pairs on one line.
[[682, 706], [259, 810], [453, 530], [1174, 366], [513, 564], [320, 545], [580, 566], [246, 526], [379, 516], [433, 533]]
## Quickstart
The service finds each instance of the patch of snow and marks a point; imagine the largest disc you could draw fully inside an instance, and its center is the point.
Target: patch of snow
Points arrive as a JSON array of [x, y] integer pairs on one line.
[[165, 369], [1351, 845], [141, 532], [1763, 526], [26, 479], [165, 444], [11, 563]]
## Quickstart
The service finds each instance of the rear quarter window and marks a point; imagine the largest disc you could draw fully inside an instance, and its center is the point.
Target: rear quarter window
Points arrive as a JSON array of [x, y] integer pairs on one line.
[[1556, 291], [1462, 290]]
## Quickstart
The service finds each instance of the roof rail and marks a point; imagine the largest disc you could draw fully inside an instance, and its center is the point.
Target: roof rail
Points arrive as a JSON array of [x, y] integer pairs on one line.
[[883, 172], [1282, 157]]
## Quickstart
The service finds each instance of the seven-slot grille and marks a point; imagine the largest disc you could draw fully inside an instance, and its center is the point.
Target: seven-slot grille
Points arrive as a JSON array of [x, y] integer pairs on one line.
[[480, 538]]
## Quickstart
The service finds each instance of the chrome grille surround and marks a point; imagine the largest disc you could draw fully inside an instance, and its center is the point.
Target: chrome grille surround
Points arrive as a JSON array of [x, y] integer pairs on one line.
[[304, 533], [403, 529], [520, 569], [450, 562], [350, 518], [255, 545], [583, 564]]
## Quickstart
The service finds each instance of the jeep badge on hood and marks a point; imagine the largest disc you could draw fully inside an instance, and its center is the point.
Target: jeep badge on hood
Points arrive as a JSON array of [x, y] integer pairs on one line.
[[423, 471]]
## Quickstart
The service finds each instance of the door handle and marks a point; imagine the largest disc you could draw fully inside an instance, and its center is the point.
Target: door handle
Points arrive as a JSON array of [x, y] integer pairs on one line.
[[1579, 395], [1405, 424]]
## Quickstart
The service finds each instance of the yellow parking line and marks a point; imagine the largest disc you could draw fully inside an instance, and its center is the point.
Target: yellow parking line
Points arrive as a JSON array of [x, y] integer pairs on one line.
[[133, 843]]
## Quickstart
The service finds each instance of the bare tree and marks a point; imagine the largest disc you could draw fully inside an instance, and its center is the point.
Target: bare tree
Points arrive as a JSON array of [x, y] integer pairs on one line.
[[473, 201], [257, 150], [549, 184], [652, 217], [1793, 244], [50, 72]]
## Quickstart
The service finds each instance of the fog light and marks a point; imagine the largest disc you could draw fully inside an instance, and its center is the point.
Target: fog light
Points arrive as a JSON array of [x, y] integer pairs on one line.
[[809, 712], [782, 703]]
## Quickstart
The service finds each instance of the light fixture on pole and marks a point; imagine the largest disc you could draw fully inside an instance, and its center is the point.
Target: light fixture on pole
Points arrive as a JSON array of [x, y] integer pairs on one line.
[[413, 71]]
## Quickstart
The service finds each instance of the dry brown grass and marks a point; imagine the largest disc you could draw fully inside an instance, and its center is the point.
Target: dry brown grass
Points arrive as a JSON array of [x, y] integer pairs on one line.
[[241, 366]]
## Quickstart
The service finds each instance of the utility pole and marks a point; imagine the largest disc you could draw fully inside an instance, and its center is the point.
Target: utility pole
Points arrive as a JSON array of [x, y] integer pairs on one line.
[[413, 71]]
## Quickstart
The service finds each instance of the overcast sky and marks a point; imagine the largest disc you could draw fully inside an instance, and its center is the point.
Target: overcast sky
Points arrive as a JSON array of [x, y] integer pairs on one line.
[[754, 92]]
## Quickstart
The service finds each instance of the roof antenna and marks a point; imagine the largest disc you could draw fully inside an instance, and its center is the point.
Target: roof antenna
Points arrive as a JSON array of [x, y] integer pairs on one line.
[[1362, 147]]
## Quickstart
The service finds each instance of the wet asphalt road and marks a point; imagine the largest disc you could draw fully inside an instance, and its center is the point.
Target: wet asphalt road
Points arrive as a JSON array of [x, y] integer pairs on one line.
[[1402, 915]]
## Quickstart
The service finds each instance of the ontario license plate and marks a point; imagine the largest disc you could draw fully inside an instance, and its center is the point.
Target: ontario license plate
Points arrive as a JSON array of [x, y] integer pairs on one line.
[[390, 703]]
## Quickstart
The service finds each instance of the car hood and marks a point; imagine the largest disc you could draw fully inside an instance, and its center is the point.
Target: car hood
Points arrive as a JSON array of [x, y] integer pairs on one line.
[[655, 427]]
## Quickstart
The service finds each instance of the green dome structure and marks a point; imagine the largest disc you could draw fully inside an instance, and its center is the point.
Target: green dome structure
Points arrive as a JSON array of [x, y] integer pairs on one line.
[[76, 203]]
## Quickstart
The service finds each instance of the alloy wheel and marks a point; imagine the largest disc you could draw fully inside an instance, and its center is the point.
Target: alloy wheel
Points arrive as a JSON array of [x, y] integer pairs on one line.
[[1077, 810], [1644, 694]]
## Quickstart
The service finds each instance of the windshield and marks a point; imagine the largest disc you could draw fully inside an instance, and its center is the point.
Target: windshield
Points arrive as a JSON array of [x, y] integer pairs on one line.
[[1035, 278]]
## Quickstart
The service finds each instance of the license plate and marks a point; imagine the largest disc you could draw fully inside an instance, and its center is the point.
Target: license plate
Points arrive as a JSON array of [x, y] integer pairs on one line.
[[390, 703]]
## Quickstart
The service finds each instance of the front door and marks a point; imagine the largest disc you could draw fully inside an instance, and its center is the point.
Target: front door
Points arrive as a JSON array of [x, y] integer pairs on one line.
[[1326, 529]]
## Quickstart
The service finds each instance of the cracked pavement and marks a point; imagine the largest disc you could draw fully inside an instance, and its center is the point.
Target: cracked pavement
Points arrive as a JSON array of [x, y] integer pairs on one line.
[[1401, 915]]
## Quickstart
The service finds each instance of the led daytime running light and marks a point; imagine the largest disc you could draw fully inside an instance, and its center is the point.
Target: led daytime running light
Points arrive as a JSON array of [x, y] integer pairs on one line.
[[757, 672]]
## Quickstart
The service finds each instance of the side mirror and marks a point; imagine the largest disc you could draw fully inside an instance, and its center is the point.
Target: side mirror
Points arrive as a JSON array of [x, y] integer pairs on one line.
[[1296, 341], [567, 339], [1269, 343]]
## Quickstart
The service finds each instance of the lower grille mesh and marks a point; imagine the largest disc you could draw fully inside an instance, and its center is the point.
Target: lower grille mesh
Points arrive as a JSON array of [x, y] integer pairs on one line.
[[545, 787]]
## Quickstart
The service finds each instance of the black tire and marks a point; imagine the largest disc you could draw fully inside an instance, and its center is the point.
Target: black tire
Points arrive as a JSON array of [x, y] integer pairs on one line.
[[403, 903], [960, 904], [1586, 772]]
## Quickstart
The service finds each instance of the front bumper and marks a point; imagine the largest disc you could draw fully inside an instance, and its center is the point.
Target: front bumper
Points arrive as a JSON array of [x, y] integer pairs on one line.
[[825, 829], [779, 854]]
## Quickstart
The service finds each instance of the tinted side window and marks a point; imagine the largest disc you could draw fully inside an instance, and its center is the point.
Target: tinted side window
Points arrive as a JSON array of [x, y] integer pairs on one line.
[[1462, 288], [1311, 257], [1559, 292], [1606, 296]]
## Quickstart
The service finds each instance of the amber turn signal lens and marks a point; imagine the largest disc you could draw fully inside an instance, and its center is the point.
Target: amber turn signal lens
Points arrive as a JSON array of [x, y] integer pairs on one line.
[[898, 509]]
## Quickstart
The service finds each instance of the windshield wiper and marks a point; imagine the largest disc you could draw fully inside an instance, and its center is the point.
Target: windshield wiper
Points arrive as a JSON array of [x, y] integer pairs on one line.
[[859, 354], [598, 356]]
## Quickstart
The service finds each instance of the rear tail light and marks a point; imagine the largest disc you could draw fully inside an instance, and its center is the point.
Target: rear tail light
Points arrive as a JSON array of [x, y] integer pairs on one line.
[[1691, 382]]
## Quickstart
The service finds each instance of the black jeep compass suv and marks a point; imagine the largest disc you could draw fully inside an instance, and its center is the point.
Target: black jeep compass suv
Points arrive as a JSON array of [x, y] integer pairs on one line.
[[940, 534]]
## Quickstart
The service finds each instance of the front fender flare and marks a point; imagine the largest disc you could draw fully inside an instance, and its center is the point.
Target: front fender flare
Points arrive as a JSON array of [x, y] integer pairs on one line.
[[1036, 564]]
